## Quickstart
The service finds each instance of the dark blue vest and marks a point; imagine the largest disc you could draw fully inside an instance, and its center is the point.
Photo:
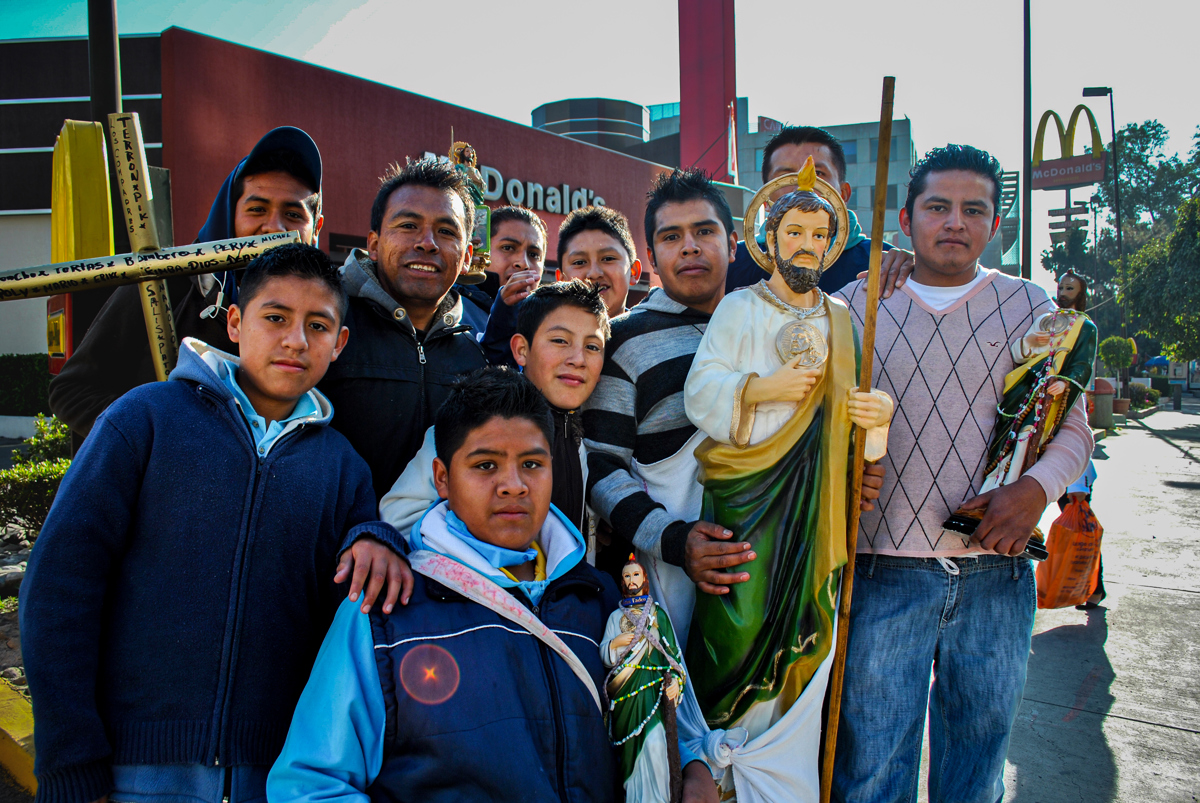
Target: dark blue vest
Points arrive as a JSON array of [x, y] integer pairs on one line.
[[520, 725]]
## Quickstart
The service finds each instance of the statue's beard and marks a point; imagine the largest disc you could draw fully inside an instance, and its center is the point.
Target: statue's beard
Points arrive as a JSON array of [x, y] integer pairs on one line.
[[1066, 303], [800, 280], [635, 591]]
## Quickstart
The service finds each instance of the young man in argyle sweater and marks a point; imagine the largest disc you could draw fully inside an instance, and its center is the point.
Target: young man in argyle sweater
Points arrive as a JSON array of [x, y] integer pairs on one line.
[[923, 600]]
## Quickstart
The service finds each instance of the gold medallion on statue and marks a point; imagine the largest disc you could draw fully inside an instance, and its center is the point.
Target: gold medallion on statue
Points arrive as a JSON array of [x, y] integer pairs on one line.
[[803, 340]]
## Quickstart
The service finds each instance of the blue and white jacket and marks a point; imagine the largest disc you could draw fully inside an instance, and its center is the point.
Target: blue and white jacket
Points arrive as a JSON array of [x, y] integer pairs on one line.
[[445, 700]]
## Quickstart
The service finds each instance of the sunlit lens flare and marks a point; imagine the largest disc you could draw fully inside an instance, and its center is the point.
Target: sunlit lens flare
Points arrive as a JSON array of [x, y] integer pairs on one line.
[[429, 674]]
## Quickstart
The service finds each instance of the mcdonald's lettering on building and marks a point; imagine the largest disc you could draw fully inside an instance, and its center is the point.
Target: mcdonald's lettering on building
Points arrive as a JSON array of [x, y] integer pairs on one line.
[[1065, 174]]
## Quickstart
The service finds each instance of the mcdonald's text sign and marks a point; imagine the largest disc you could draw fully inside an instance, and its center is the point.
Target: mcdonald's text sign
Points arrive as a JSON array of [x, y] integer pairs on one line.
[[1065, 174]]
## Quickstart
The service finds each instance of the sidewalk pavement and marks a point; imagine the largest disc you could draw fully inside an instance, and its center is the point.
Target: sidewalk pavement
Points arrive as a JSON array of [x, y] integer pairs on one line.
[[1112, 702]]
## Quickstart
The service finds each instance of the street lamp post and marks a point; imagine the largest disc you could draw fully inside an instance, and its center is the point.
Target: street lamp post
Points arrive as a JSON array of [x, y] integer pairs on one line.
[[1099, 92]]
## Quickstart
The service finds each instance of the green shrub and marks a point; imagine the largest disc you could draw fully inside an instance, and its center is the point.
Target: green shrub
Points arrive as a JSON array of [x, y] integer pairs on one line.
[[25, 387], [26, 492], [1142, 396], [51, 441], [1117, 352]]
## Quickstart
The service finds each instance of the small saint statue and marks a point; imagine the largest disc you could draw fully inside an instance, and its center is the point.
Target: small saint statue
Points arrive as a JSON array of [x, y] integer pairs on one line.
[[774, 385], [466, 161], [1054, 362], [643, 689]]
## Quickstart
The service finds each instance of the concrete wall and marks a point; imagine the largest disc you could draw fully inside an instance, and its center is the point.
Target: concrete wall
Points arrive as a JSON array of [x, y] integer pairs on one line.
[[26, 243]]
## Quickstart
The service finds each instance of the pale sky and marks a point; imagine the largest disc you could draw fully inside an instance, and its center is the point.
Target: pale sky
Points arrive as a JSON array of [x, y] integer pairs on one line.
[[958, 63]]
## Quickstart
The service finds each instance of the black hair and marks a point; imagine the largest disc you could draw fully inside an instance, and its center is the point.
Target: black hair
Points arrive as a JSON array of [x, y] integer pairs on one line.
[[292, 259], [549, 297], [484, 394], [596, 218], [280, 162], [424, 173], [681, 186], [954, 157], [803, 135], [521, 214]]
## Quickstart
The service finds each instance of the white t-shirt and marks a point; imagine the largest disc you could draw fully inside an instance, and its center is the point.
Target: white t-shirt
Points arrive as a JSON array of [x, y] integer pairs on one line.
[[941, 298]]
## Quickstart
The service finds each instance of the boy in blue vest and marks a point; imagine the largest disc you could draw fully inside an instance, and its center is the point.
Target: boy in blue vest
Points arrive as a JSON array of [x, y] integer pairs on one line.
[[485, 686], [185, 576]]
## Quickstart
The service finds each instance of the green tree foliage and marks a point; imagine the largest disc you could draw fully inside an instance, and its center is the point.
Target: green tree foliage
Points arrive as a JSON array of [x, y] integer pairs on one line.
[[1153, 185], [1164, 286], [1117, 352]]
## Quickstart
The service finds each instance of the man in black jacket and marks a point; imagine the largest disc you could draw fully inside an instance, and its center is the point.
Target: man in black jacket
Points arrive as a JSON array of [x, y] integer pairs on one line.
[[408, 342], [277, 187]]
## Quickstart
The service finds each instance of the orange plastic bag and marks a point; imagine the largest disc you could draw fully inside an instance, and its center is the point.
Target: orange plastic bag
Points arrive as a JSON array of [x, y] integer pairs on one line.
[[1069, 576]]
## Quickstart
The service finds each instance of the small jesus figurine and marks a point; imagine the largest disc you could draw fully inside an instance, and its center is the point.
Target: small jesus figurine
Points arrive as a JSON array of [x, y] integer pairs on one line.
[[1054, 362], [643, 689]]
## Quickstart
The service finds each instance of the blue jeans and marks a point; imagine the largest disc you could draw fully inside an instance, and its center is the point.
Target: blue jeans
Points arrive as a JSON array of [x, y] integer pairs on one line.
[[972, 629], [187, 783]]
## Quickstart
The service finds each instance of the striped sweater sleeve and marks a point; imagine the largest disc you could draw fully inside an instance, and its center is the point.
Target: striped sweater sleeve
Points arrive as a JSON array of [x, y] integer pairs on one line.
[[637, 411]]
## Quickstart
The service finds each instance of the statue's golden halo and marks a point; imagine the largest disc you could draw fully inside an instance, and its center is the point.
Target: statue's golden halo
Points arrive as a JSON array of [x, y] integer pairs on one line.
[[822, 188]]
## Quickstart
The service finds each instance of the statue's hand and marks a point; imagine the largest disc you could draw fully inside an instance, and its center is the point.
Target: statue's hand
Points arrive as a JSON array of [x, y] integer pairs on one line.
[[790, 383], [869, 410], [673, 689], [1056, 387], [1036, 341], [622, 641]]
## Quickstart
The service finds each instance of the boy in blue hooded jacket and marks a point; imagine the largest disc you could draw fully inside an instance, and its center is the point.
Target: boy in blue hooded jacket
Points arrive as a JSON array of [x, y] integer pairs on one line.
[[185, 576], [485, 687]]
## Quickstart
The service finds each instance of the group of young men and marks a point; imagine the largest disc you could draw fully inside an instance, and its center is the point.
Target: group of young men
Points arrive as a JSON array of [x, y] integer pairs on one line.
[[199, 617]]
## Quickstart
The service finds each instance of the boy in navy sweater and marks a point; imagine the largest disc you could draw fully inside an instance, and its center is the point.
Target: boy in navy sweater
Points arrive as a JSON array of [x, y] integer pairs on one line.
[[185, 577]]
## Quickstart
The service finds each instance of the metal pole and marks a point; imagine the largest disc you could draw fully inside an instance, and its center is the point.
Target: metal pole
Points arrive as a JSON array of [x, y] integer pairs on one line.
[[1112, 117], [1027, 168], [104, 74]]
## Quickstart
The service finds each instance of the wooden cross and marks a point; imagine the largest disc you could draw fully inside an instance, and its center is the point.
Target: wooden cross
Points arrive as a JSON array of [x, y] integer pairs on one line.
[[148, 264]]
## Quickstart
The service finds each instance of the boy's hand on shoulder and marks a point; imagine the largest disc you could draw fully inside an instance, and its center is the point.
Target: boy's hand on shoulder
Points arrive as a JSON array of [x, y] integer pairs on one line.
[[370, 558], [698, 784]]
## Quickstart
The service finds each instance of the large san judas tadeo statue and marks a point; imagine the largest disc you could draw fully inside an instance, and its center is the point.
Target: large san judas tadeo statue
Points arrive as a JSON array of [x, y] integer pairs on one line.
[[773, 385]]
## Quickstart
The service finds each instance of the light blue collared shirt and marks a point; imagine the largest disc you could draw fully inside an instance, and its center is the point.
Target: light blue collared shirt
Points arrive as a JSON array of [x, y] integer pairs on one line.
[[265, 434]]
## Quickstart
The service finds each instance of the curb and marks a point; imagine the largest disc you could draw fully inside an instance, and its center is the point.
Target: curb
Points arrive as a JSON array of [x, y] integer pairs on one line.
[[1099, 434], [16, 737]]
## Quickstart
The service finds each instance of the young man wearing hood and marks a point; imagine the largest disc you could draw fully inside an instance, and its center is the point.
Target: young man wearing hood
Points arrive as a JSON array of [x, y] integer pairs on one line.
[[408, 340], [277, 187]]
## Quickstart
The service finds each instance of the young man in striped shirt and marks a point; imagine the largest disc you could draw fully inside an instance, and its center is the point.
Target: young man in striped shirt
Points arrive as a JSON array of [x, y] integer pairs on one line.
[[642, 476]]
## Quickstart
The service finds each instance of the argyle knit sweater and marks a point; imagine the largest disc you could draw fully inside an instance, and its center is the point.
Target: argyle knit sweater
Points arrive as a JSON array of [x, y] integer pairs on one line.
[[945, 371]]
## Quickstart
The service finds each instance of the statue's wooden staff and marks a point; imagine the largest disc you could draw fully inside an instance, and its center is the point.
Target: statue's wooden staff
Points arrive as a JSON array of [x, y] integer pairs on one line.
[[864, 385]]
